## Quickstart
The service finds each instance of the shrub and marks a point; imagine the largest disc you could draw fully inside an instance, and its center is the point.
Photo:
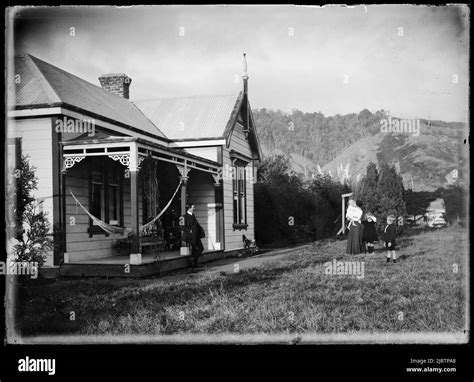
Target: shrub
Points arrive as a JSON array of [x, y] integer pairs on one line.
[[290, 210], [455, 203], [32, 227]]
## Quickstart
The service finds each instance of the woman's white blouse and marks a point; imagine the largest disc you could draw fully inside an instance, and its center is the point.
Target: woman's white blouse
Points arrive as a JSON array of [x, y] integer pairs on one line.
[[354, 213]]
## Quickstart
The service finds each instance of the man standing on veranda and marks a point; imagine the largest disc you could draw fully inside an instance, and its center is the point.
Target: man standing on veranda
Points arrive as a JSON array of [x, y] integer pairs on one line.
[[192, 233]]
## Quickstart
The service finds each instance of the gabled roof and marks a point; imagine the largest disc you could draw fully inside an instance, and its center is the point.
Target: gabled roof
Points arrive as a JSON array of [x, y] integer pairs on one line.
[[179, 119], [44, 85], [190, 118]]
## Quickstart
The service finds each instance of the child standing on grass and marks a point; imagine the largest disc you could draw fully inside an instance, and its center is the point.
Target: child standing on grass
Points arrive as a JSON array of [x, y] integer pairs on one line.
[[369, 233], [389, 234]]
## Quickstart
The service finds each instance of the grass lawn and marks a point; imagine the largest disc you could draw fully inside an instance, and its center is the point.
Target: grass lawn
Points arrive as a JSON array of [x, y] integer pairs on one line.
[[424, 292]]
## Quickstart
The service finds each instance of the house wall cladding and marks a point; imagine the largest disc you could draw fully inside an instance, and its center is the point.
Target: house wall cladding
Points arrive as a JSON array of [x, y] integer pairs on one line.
[[79, 245], [233, 237], [36, 142], [201, 192]]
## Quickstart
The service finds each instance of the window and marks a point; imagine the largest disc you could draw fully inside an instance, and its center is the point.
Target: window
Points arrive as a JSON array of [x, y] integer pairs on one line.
[[105, 194], [97, 201], [240, 195], [114, 197]]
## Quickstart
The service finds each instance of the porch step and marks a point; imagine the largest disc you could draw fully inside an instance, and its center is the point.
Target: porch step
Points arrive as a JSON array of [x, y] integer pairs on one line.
[[134, 271]]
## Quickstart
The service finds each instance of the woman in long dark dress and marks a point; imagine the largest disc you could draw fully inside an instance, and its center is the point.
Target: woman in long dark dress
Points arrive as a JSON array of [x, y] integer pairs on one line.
[[370, 233], [354, 239]]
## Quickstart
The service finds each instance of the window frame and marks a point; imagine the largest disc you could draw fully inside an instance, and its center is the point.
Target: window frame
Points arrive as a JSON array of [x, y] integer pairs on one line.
[[105, 168], [239, 193]]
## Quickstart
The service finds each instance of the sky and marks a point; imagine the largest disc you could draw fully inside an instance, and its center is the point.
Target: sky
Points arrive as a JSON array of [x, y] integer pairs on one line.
[[412, 61]]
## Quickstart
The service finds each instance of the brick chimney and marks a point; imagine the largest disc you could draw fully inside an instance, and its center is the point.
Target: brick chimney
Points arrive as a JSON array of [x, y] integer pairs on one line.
[[117, 83]]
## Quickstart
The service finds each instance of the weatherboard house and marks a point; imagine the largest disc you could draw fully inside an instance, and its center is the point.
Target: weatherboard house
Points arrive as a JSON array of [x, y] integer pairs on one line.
[[115, 176]]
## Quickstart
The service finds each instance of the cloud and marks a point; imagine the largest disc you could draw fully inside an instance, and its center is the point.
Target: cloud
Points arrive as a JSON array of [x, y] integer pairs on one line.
[[298, 56]]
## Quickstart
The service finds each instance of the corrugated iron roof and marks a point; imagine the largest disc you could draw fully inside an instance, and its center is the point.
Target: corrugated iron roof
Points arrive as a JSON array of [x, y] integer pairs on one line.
[[182, 118], [195, 117], [31, 88], [42, 83]]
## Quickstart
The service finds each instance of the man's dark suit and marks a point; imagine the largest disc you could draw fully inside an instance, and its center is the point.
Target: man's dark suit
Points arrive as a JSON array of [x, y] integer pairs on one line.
[[191, 235]]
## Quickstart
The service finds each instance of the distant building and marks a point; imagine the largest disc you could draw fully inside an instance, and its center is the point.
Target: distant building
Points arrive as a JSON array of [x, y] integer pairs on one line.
[[435, 214]]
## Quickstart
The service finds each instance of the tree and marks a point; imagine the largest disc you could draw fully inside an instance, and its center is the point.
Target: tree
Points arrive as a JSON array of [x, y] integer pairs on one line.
[[274, 168], [26, 183], [366, 191], [32, 227], [390, 192], [455, 201], [326, 194], [418, 202]]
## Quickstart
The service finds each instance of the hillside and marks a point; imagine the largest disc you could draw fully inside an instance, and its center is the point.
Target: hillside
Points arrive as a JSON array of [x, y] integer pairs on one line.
[[344, 144], [312, 139], [428, 159], [299, 164]]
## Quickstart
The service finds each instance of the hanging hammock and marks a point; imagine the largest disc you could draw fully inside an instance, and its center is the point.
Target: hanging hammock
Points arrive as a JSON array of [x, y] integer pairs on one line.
[[151, 222], [111, 229]]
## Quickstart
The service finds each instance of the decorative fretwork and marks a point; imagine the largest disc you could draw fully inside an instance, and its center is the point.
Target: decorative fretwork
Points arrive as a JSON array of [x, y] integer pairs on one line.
[[125, 159], [183, 171], [141, 158], [122, 158], [71, 161], [217, 178]]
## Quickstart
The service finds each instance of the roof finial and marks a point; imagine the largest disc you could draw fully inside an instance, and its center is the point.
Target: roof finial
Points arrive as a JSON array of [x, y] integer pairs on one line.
[[245, 65], [245, 76]]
